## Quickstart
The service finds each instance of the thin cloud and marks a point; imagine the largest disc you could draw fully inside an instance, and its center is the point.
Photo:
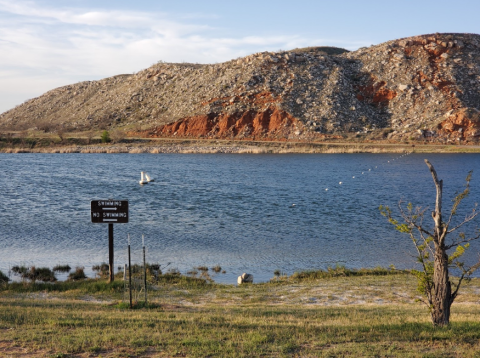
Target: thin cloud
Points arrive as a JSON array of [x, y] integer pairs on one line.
[[102, 18], [40, 43]]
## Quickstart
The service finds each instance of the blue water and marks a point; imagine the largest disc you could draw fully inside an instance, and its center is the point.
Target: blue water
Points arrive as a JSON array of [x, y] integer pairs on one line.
[[246, 213]]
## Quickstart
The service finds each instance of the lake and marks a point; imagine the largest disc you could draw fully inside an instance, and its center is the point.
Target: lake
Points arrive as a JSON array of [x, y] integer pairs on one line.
[[247, 213]]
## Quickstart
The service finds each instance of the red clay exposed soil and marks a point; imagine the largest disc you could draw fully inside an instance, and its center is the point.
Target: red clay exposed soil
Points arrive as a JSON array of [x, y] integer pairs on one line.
[[194, 126], [465, 124], [435, 49], [376, 93], [271, 123]]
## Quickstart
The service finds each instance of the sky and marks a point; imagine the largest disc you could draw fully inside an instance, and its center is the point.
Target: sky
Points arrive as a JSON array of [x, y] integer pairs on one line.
[[45, 44]]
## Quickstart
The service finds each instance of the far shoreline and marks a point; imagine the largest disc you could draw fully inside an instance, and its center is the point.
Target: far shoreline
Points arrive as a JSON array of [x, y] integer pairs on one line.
[[208, 146]]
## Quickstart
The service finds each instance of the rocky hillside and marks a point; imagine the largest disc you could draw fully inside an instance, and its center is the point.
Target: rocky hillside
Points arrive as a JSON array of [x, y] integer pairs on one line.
[[414, 88]]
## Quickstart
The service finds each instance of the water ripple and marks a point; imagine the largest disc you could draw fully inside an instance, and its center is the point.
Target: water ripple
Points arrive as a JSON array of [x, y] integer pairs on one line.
[[247, 213]]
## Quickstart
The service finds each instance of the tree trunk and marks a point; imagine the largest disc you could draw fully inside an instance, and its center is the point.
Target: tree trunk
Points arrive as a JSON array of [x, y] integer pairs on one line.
[[442, 295]]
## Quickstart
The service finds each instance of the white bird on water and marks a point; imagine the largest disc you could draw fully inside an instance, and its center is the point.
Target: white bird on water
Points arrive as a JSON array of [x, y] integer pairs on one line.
[[142, 179], [148, 178], [340, 183]]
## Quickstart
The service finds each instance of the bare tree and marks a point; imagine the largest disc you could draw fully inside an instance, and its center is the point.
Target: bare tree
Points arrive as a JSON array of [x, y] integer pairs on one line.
[[89, 135], [117, 135], [61, 134], [435, 253]]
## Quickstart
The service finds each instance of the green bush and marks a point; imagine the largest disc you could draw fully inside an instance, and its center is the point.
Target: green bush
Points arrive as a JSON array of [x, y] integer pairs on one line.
[[78, 274], [34, 274], [3, 278], [62, 268], [20, 270], [43, 274], [105, 137], [103, 270]]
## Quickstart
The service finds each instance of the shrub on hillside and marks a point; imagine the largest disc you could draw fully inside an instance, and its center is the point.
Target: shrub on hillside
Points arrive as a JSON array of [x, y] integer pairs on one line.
[[105, 137]]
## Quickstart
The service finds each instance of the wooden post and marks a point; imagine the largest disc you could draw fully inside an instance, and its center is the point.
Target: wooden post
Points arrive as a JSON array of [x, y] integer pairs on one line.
[[129, 273], [110, 253]]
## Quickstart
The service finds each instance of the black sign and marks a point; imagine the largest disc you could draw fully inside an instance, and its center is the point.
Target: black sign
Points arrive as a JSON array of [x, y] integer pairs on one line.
[[109, 211]]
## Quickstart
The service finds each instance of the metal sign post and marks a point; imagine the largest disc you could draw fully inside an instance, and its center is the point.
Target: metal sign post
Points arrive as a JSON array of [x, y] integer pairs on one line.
[[111, 275], [109, 212], [144, 271], [129, 273]]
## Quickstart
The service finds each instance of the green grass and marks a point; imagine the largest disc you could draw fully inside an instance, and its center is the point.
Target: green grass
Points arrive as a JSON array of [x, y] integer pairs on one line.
[[342, 271], [87, 286], [186, 318], [68, 328]]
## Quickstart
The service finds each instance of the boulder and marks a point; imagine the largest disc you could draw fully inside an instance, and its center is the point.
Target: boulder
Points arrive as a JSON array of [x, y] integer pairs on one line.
[[245, 278]]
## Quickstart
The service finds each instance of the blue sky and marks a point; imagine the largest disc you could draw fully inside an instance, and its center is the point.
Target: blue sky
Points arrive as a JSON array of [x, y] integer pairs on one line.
[[45, 44]]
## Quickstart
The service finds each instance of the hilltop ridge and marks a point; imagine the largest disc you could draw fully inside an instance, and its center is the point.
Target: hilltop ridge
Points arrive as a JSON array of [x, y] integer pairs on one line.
[[414, 88]]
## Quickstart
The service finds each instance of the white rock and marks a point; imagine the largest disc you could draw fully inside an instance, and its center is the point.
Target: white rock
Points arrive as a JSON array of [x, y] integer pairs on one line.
[[245, 278]]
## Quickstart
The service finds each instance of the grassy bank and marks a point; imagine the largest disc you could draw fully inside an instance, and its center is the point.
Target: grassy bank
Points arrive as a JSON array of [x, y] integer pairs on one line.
[[308, 315]]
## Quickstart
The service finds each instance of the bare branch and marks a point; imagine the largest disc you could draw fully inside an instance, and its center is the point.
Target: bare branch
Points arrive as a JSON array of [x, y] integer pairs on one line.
[[466, 273], [408, 218], [468, 218], [458, 199], [427, 245], [438, 186], [472, 269], [464, 241]]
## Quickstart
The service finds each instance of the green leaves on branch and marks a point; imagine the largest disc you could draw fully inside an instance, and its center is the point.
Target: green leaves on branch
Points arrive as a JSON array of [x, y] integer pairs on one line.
[[459, 251], [387, 212]]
